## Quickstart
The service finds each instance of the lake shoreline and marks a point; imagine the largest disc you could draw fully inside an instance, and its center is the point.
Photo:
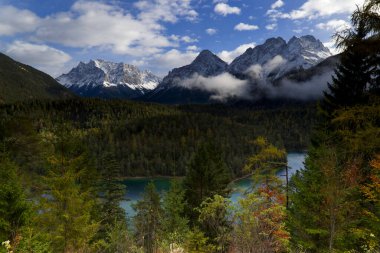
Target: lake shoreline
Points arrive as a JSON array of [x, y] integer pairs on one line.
[[149, 177]]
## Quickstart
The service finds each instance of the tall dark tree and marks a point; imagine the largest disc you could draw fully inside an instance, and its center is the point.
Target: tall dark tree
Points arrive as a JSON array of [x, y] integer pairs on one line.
[[175, 222], [148, 219], [112, 193], [14, 209], [207, 175], [329, 211], [350, 82]]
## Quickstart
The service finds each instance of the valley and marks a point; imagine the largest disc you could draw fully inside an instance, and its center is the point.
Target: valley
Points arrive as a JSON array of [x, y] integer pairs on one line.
[[186, 126]]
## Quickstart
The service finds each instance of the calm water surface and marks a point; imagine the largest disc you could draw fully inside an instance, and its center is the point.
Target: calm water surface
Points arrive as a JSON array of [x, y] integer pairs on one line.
[[135, 187]]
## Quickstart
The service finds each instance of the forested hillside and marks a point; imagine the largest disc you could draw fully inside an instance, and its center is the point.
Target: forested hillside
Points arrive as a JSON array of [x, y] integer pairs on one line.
[[149, 139], [61, 163], [20, 82]]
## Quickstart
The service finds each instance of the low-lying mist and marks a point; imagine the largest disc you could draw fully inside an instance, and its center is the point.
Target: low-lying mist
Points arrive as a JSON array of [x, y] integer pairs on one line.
[[258, 84]]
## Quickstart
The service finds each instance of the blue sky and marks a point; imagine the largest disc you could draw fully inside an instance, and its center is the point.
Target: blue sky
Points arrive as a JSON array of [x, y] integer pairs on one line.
[[158, 35]]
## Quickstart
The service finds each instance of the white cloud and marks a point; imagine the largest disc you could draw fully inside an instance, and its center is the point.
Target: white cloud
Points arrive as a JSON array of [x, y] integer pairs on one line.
[[187, 39], [260, 72], [245, 27], [192, 48], [323, 8], [225, 9], [166, 10], [95, 24], [13, 20], [211, 31], [229, 56], [331, 45], [277, 4], [222, 86], [171, 59], [42, 57], [271, 26], [311, 89], [336, 25]]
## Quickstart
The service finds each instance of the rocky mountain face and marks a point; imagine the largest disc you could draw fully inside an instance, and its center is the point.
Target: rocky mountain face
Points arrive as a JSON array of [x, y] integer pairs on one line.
[[302, 61], [276, 57], [171, 91], [206, 64], [108, 80], [268, 65]]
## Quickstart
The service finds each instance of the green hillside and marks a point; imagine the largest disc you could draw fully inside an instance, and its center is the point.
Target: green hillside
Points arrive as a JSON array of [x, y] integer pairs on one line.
[[20, 82]]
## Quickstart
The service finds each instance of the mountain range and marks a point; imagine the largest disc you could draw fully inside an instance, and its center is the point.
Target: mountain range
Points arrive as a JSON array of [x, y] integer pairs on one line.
[[297, 69], [105, 79]]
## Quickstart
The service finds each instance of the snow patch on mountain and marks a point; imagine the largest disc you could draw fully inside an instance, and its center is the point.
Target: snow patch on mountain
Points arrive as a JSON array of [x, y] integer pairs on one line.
[[206, 64], [298, 53], [107, 75]]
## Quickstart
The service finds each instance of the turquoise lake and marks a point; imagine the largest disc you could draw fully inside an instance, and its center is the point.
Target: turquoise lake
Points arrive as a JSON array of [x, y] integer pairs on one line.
[[135, 187]]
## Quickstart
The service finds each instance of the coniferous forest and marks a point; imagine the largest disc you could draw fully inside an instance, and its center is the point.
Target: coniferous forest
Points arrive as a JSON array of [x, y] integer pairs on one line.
[[62, 163]]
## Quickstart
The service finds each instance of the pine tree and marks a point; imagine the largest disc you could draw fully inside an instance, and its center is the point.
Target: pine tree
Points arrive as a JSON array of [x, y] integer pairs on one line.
[[66, 208], [174, 222], [68, 201], [148, 219], [14, 208], [350, 82], [112, 193], [215, 221], [357, 75], [207, 175]]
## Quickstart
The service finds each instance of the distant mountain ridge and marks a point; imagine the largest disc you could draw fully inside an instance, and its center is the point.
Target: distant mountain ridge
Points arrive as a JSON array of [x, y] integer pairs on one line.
[[297, 54], [269, 63], [19, 82], [99, 78]]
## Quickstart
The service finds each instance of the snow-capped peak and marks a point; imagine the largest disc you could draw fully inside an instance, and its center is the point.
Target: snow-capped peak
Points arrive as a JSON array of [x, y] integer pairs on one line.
[[205, 64], [298, 53], [107, 74]]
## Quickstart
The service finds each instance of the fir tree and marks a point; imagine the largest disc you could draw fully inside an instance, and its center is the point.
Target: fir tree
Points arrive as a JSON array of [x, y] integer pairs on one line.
[[207, 175], [148, 219], [14, 209], [174, 222], [112, 193], [66, 208], [215, 221], [68, 201], [350, 82]]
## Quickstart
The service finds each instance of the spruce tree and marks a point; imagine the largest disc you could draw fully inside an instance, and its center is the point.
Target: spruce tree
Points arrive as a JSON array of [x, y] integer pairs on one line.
[[350, 83], [207, 175], [328, 210], [215, 221], [174, 222], [66, 208], [112, 193], [14, 209], [67, 204], [148, 219]]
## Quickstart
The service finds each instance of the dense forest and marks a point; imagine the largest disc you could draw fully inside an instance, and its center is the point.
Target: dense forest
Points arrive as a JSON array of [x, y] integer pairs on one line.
[[61, 161], [151, 139]]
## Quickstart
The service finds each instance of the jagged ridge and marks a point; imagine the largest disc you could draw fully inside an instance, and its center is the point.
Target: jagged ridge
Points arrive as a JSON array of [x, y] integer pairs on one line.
[[109, 79]]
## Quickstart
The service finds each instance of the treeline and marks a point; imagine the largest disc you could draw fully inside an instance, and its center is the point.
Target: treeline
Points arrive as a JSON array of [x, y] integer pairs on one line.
[[149, 139], [56, 196]]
